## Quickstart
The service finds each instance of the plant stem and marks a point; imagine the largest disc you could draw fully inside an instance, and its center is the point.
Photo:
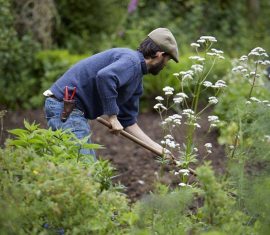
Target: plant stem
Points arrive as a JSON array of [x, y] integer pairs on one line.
[[253, 82]]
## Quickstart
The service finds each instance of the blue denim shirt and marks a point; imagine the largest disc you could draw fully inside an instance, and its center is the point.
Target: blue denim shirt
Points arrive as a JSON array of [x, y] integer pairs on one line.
[[109, 83]]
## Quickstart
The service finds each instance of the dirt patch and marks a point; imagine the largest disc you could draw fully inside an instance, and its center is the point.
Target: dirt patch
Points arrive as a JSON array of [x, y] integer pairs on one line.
[[137, 168]]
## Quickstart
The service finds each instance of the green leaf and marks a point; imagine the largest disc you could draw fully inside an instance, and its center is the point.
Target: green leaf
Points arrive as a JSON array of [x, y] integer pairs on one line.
[[18, 132]]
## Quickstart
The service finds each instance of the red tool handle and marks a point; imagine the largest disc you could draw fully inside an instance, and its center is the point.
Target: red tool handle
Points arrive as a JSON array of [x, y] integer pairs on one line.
[[73, 93], [66, 93]]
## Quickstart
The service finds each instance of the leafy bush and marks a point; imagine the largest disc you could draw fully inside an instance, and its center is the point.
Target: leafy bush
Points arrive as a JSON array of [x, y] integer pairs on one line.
[[165, 213], [38, 196], [83, 23], [44, 189], [17, 57]]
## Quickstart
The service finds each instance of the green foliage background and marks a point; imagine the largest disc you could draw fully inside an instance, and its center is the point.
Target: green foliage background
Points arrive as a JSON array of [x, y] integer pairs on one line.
[[86, 27]]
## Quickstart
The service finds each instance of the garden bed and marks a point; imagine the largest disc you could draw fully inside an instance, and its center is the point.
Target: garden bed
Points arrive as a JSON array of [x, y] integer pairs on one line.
[[136, 167]]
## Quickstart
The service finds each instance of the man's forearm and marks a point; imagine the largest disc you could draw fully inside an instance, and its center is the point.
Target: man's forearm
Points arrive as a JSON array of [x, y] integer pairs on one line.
[[136, 131]]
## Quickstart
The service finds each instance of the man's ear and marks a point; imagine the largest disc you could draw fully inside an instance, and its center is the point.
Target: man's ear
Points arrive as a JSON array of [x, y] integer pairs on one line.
[[158, 54]]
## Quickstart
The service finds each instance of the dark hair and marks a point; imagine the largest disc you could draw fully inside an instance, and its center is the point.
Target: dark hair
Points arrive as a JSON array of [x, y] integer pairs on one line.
[[148, 48]]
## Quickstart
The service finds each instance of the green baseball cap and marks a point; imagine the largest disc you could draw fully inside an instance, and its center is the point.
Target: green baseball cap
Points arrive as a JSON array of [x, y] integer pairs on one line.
[[166, 41]]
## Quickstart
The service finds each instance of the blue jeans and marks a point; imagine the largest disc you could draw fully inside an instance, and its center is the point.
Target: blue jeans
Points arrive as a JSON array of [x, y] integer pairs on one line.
[[76, 122]]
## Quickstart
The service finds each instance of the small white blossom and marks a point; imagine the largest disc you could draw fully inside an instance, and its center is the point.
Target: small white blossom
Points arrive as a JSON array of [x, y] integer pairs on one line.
[[176, 74], [243, 58], [168, 88], [195, 45], [197, 125], [208, 145], [188, 111], [168, 120], [212, 100], [201, 41], [184, 185], [209, 38], [160, 106], [159, 98], [220, 84], [238, 68], [211, 54], [168, 137], [217, 51], [195, 149], [253, 53], [198, 58], [231, 147], [197, 68], [168, 93], [267, 138], [188, 76], [255, 99], [184, 172], [177, 100], [182, 95], [221, 57], [213, 118], [207, 84]]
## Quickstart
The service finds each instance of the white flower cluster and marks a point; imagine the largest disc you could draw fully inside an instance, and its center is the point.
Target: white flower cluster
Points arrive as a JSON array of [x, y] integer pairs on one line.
[[212, 100], [173, 119], [218, 84], [168, 90], [197, 68], [214, 120], [159, 98], [196, 45], [196, 125], [169, 141], [259, 54], [184, 172], [208, 147], [216, 53], [177, 100], [184, 185], [267, 138], [185, 74], [258, 51], [188, 112], [160, 107], [197, 58], [256, 100], [204, 39], [182, 95], [239, 68]]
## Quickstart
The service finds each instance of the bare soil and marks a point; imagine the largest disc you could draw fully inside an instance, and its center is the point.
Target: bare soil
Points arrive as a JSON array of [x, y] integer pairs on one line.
[[136, 168]]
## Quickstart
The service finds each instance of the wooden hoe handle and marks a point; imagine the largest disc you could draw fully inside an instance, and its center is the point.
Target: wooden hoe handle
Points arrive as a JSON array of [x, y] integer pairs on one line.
[[138, 141]]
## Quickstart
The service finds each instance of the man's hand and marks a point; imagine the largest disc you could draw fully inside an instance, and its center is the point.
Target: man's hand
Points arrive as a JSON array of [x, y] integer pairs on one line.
[[116, 125]]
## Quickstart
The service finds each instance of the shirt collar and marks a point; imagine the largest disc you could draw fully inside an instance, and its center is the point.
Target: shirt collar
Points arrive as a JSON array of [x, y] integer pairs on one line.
[[143, 64]]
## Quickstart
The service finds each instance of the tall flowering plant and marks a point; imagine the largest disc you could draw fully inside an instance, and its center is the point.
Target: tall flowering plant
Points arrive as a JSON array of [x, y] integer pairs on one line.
[[185, 105], [250, 67]]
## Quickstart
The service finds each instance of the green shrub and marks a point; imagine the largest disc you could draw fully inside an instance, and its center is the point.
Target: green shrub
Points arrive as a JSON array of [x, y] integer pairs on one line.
[[40, 197], [83, 23], [165, 213], [44, 189], [17, 57]]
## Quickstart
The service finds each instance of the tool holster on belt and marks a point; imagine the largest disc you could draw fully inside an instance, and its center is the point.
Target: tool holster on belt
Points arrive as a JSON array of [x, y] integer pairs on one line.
[[69, 104]]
